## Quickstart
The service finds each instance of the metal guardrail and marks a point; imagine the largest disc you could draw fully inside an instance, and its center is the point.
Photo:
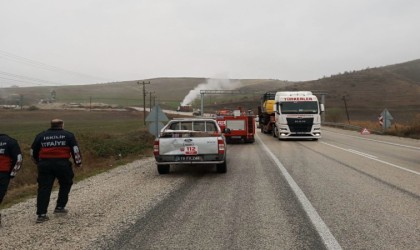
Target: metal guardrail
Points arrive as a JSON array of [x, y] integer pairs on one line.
[[349, 127]]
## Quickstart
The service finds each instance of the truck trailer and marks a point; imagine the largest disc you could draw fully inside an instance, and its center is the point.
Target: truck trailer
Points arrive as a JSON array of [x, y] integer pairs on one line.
[[297, 115], [266, 118], [184, 108]]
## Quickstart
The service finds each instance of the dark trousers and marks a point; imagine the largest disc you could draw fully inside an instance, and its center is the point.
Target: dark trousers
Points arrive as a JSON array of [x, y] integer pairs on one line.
[[4, 184], [48, 171]]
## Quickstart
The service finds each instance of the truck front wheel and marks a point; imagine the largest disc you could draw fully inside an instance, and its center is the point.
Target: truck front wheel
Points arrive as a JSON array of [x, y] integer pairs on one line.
[[163, 169], [222, 167]]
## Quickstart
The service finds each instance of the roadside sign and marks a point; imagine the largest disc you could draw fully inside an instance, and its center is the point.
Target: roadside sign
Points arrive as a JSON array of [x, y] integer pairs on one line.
[[365, 131], [155, 119], [385, 119], [156, 115], [154, 128]]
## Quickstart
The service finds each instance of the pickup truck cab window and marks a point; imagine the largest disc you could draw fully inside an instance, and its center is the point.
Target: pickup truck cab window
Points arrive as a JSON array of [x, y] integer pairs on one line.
[[203, 126]]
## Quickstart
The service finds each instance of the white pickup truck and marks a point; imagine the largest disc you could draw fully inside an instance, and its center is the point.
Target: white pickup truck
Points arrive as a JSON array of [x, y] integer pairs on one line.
[[190, 141]]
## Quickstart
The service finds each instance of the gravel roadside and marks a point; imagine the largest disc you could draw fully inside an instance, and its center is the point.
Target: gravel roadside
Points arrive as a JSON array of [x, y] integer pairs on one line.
[[100, 208]]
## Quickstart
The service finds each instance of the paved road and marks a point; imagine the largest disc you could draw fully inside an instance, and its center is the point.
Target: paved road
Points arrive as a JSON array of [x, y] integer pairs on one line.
[[344, 191], [365, 188]]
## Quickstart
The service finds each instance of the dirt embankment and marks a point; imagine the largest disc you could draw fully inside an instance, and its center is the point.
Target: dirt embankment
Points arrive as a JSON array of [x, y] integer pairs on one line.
[[100, 208]]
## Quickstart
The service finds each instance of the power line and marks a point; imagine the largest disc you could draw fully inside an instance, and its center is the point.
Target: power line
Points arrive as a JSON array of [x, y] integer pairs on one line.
[[35, 80], [44, 66], [19, 81]]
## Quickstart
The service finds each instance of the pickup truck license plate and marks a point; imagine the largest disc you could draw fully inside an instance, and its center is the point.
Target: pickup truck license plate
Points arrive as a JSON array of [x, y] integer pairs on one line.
[[188, 158]]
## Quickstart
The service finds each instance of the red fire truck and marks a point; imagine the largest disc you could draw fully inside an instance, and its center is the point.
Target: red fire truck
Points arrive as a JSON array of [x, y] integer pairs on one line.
[[237, 125]]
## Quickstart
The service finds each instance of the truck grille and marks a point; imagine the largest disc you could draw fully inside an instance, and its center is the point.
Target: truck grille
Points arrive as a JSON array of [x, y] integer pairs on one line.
[[300, 124]]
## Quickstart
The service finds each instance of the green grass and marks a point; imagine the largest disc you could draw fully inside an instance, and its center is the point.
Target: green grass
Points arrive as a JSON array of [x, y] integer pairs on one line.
[[107, 139], [397, 129]]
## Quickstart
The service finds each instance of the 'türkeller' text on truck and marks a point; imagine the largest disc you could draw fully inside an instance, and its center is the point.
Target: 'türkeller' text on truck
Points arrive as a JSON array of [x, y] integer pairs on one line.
[[297, 115]]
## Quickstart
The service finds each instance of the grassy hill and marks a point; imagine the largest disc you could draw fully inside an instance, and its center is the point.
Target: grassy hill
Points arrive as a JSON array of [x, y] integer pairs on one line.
[[367, 92], [112, 137]]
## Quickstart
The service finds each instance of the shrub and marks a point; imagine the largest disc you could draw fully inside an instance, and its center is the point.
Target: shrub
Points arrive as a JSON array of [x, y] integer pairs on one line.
[[33, 108], [116, 145]]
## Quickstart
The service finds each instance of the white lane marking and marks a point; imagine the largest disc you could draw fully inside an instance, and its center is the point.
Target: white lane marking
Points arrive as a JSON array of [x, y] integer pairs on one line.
[[362, 154], [384, 142], [328, 239], [372, 158]]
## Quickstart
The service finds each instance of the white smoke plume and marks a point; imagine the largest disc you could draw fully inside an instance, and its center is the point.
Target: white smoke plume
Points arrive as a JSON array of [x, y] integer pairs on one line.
[[211, 84]]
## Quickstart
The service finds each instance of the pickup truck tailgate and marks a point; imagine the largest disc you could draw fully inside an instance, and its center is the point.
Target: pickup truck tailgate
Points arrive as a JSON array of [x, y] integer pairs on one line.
[[188, 146]]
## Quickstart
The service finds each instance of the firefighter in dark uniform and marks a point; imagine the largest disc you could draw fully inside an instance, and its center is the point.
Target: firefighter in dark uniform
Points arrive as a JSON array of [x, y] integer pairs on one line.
[[51, 151], [10, 163]]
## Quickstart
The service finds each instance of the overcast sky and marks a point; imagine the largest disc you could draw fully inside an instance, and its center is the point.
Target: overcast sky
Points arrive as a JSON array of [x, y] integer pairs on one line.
[[44, 42]]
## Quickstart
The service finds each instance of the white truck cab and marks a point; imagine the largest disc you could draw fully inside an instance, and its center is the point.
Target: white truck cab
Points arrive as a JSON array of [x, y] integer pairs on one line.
[[297, 115]]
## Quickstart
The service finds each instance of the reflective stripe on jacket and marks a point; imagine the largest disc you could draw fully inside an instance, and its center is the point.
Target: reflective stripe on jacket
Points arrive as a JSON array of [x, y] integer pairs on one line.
[[10, 154], [55, 144]]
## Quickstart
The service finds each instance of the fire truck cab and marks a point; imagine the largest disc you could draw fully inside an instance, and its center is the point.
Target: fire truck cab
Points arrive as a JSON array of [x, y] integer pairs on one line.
[[237, 125]]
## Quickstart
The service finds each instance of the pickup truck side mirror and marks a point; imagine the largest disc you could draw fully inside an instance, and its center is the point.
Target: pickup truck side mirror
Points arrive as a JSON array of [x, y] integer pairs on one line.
[[226, 130]]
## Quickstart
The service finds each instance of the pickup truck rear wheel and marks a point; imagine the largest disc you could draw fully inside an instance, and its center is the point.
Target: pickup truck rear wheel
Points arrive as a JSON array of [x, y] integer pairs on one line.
[[221, 168], [163, 169]]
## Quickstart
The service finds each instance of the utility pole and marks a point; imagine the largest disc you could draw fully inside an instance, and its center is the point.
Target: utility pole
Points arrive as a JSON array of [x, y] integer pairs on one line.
[[345, 105], [150, 100], [144, 100]]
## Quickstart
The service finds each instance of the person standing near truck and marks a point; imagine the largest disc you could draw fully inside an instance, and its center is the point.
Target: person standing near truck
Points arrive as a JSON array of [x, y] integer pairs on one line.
[[10, 163], [51, 151]]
